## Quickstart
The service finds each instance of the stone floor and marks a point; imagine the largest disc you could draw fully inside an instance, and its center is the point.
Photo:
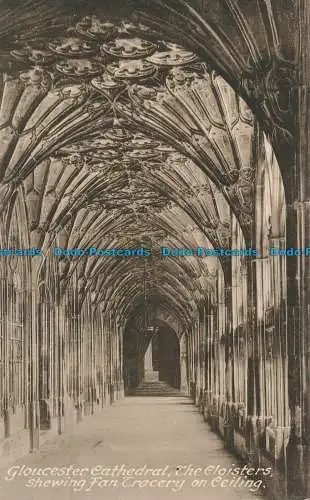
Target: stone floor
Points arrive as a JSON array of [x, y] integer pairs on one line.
[[170, 450]]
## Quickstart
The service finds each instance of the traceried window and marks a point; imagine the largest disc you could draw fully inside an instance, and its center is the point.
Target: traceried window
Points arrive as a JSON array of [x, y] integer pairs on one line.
[[15, 345]]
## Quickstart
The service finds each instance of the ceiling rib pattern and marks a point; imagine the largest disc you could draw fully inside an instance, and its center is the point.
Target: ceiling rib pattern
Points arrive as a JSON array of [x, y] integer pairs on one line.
[[160, 87], [121, 139]]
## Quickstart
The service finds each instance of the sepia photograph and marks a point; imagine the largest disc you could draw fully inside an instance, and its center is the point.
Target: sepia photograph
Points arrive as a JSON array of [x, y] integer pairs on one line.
[[155, 249]]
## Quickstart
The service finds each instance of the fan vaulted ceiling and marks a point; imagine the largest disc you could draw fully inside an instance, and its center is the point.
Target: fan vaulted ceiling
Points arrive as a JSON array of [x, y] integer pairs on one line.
[[122, 138]]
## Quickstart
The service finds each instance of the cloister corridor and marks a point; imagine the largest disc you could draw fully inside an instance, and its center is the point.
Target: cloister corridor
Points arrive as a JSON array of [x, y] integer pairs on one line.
[[155, 247], [136, 431]]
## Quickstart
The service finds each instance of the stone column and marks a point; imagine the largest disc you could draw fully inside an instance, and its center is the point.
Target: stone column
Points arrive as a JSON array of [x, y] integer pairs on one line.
[[229, 370], [198, 359], [33, 403], [229, 375], [183, 365], [148, 358], [298, 236], [149, 374]]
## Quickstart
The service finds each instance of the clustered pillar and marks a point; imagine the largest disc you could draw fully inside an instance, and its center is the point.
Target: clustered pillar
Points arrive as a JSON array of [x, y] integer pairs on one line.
[[61, 357]]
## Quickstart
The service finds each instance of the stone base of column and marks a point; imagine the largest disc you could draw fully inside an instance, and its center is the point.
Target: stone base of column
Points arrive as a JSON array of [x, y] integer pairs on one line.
[[276, 441], [184, 390], [34, 427], [70, 418], [121, 390], [151, 376], [79, 411]]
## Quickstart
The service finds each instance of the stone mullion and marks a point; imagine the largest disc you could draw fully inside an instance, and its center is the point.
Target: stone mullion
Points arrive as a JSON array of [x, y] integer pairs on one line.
[[120, 360], [115, 357], [298, 301], [51, 329], [116, 354], [229, 368], [293, 307], [34, 411], [251, 340], [235, 343], [115, 360], [93, 352], [69, 360], [83, 368], [84, 359], [229, 375], [70, 336], [110, 357], [255, 391], [5, 356], [256, 310], [260, 353], [217, 321], [198, 356], [120, 353], [243, 341], [208, 357], [86, 326], [103, 352], [90, 361], [213, 365], [218, 317], [197, 348], [74, 323], [121, 348], [74, 331], [201, 351], [298, 270], [193, 351], [265, 355], [111, 371], [190, 359], [44, 354], [211, 360], [56, 375], [239, 297], [101, 356], [87, 343], [195, 356], [218, 324], [183, 364], [98, 354], [280, 334], [26, 384], [303, 213], [66, 356], [106, 353], [303, 272], [96, 351], [203, 344], [61, 359]]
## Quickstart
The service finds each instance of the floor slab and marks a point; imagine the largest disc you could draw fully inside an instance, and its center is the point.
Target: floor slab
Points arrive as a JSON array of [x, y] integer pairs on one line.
[[139, 448]]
